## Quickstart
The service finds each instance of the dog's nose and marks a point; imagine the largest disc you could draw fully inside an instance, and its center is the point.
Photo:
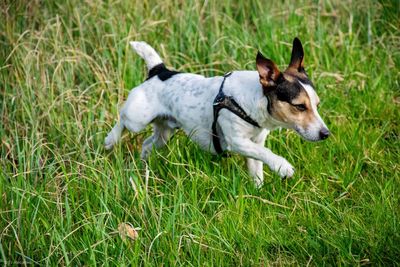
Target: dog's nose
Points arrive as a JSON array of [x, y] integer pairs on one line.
[[324, 133]]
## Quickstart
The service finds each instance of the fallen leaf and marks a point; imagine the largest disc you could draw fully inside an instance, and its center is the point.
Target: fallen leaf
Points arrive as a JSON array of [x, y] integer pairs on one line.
[[126, 230]]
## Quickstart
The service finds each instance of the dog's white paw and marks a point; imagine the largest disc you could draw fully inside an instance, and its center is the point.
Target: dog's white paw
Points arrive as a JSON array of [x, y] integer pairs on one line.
[[284, 168], [258, 182], [109, 142]]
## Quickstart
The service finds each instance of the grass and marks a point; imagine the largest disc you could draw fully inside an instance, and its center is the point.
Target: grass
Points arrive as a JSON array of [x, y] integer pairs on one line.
[[65, 67]]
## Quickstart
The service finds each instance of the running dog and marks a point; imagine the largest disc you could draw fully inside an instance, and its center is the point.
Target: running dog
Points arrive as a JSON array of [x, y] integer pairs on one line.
[[234, 112]]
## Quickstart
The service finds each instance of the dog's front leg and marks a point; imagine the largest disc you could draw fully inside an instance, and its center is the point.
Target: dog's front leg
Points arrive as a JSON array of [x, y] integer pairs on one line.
[[256, 166], [248, 148], [256, 171]]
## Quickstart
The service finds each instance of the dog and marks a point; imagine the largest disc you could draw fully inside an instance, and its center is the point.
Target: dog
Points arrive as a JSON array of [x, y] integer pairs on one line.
[[234, 112]]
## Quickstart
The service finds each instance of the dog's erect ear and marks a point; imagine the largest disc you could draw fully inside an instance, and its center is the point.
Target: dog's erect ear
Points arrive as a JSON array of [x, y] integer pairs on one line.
[[297, 58], [267, 69]]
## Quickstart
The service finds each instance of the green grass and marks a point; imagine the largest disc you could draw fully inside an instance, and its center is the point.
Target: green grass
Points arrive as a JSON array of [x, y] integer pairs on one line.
[[66, 67]]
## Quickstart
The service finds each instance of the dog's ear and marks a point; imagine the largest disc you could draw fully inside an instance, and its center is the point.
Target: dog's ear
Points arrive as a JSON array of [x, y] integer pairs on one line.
[[297, 58], [267, 69]]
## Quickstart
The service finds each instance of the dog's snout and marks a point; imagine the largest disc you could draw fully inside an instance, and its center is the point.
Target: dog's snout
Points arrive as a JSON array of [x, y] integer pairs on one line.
[[324, 133]]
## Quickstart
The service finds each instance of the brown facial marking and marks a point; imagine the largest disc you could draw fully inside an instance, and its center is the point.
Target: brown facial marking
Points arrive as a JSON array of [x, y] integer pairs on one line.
[[288, 113], [294, 73], [288, 77]]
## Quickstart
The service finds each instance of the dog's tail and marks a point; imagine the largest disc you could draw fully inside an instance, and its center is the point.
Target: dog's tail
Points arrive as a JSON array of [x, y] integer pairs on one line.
[[148, 53]]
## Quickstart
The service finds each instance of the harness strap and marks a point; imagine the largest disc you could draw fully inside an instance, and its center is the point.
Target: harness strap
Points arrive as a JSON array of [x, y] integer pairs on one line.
[[223, 101]]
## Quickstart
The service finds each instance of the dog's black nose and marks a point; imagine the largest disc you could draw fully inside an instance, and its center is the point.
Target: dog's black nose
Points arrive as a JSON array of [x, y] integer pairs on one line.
[[324, 133]]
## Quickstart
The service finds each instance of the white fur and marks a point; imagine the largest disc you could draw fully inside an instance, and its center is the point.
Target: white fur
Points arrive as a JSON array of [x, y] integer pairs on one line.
[[147, 53], [188, 98]]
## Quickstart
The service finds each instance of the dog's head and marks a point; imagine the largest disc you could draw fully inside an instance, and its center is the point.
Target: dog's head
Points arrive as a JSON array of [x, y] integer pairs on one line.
[[292, 100]]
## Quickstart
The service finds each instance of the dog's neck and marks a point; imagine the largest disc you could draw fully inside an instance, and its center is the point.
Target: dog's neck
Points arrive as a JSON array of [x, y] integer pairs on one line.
[[247, 91]]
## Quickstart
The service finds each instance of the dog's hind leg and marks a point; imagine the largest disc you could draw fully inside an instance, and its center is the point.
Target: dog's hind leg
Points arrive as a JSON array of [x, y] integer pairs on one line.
[[114, 135], [138, 111], [161, 134]]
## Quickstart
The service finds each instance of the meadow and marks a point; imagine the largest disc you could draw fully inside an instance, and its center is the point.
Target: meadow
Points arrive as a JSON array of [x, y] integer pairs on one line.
[[66, 67]]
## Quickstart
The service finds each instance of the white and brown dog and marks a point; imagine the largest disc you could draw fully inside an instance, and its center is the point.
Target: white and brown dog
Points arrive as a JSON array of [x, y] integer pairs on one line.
[[230, 113]]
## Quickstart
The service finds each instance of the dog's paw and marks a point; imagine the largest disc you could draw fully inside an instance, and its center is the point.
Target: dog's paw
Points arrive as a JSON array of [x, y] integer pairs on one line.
[[258, 182], [109, 142], [146, 151], [284, 168]]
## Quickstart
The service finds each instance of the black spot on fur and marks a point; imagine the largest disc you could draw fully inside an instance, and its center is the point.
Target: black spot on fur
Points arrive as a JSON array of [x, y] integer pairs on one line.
[[284, 90], [162, 72], [305, 80], [164, 117], [288, 91]]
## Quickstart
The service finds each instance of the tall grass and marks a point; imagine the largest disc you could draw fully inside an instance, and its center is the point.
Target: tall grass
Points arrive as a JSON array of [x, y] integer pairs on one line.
[[65, 67]]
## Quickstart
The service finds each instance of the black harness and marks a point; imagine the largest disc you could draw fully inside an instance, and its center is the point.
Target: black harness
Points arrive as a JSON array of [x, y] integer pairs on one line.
[[223, 101]]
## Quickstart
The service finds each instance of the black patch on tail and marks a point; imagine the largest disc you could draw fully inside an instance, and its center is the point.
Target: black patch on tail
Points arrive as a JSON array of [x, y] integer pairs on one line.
[[162, 72]]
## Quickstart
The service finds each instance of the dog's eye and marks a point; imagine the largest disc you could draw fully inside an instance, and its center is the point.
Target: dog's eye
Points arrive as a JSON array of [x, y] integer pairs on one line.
[[300, 107]]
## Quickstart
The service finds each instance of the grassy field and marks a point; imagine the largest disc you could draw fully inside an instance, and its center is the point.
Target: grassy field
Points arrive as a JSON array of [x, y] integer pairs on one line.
[[66, 67]]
